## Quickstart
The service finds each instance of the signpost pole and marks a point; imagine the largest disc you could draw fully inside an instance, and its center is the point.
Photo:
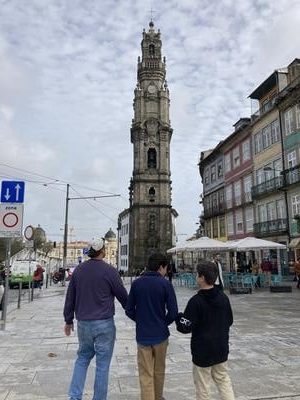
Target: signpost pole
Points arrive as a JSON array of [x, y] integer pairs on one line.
[[5, 300]]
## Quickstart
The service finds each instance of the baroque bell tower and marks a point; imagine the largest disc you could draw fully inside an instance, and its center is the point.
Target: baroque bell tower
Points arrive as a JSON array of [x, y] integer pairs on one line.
[[151, 213]]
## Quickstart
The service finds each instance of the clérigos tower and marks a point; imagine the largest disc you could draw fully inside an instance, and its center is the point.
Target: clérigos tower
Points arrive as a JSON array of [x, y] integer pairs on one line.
[[150, 213]]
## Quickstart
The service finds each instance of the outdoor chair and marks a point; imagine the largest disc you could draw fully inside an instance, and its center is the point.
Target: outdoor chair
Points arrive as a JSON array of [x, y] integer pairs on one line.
[[276, 280]]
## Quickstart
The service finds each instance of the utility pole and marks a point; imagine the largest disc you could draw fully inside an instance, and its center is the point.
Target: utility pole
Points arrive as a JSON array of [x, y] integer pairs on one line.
[[5, 296]]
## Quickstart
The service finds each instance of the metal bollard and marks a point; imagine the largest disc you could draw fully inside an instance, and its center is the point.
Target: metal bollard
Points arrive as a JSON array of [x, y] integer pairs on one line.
[[32, 289], [20, 294], [47, 279]]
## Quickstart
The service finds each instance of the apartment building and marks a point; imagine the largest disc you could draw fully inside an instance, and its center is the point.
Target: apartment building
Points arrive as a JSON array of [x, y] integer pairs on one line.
[[238, 180], [211, 168], [289, 107], [269, 199], [259, 190]]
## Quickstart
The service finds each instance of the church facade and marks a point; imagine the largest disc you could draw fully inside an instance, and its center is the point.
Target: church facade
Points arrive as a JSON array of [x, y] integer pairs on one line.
[[150, 216]]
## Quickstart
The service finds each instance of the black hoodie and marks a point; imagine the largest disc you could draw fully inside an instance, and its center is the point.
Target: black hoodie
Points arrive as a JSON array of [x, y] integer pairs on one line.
[[210, 316]]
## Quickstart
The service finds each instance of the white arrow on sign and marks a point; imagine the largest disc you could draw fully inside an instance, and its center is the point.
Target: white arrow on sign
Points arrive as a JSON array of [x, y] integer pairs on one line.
[[7, 195], [17, 187]]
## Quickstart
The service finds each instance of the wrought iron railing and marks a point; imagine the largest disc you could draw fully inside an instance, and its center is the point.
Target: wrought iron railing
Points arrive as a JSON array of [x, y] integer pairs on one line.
[[268, 186], [270, 227]]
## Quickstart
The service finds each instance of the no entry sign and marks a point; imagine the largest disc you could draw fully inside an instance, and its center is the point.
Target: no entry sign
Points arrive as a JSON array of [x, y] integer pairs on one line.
[[11, 220]]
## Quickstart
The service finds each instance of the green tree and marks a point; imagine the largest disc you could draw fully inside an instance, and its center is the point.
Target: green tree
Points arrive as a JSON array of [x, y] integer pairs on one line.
[[16, 246]]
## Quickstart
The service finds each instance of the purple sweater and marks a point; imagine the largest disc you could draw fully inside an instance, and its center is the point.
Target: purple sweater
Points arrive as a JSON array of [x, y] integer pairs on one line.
[[92, 289]]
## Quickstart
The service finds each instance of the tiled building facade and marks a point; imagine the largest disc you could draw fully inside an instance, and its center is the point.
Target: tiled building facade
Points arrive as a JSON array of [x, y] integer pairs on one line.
[[258, 191]]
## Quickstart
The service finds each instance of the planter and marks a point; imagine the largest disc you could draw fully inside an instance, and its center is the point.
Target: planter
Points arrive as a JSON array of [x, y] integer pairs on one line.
[[281, 289], [240, 290]]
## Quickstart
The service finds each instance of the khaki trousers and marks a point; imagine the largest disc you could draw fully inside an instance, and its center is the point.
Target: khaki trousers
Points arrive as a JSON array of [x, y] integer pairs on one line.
[[151, 364], [219, 373]]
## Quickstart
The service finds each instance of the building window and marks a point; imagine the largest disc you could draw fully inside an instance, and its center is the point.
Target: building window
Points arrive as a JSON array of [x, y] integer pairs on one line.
[[227, 163], [222, 226], [288, 121], [215, 227], [296, 205], [236, 157], [213, 173], [206, 176], [257, 143], [221, 199], [228, 194], [249, 219], [237, 193], [275, 131], [152, 194], [298, 116], [239, 226], [151, 223], [151, 50], [230, 228], [292, 159], [262, 213], [208, 228], [246, 150], [247, 187], [280, 207], [151, 158], [271, 211], [260, 176], [266, 137], [220, 169]]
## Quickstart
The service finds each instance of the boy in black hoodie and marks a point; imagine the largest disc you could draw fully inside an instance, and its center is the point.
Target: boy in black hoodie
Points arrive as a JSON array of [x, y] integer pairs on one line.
[[208, 316]]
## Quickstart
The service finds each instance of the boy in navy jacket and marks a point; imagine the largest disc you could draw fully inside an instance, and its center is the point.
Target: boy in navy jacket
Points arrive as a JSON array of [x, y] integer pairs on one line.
[[208, 316], [152, 305]]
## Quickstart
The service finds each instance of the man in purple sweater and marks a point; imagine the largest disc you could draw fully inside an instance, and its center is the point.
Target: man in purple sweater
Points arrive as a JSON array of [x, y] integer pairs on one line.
[[93, 287]]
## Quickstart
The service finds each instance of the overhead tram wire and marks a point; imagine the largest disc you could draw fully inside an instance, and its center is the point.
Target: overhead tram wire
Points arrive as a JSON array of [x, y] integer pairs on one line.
[[59, 181]]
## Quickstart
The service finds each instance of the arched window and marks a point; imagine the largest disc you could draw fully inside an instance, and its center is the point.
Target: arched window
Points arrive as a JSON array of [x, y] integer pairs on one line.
[[152, 194], [151, 50], [151, 158]]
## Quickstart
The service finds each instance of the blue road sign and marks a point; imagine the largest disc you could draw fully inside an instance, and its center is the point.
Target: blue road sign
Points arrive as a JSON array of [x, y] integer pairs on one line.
[[12, 191], [85, 250]]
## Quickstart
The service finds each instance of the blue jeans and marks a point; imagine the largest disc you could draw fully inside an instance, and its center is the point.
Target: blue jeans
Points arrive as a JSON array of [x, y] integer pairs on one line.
[[95, 338]]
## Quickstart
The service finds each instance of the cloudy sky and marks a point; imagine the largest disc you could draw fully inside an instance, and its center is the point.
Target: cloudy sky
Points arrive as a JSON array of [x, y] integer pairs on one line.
[[67, 75]]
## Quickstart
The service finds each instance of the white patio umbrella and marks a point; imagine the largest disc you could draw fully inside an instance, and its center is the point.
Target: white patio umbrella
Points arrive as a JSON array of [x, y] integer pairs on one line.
[[252, 243], [203, 243]]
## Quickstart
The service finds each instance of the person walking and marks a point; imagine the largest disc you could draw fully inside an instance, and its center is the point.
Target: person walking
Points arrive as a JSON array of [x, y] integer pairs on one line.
[[152, 305], [219, 283], [93, 287], [38, 277], [208, 316], [297, 271]]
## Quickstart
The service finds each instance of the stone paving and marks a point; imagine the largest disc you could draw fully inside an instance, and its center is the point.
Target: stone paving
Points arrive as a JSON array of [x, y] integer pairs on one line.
[[37, 359]]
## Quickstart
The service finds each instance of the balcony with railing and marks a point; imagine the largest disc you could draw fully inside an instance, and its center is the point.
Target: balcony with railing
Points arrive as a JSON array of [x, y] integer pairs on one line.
[[264, 109], [267, 187], [214, 210], [292, 175], [268, 228]]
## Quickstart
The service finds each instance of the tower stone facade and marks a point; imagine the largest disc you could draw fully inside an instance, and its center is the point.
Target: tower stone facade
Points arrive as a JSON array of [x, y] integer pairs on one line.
[[151, 226]]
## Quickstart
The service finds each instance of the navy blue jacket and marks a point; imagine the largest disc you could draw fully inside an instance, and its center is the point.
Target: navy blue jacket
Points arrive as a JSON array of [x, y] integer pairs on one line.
[[152, 305]]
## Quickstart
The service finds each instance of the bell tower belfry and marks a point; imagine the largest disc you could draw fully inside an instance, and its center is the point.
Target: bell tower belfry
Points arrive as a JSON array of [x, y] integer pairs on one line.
[[151, 213]]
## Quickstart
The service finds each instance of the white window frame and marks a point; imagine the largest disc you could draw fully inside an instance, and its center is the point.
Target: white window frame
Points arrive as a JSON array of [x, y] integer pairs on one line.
[[267, 136], [295, 205], [246, 153], [288, 121], [297, 111], [227, 162], [236, 158], [262, 212], [228, 196], [247, 187], [275, 131], [239, 222], [292, 159], [280, 209], [249, 217], [229, 223], [237, 189], [258, 143]]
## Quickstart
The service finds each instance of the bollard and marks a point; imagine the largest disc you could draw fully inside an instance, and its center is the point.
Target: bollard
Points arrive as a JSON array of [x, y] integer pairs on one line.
[[47, 279], [32, 289], [20, 294]]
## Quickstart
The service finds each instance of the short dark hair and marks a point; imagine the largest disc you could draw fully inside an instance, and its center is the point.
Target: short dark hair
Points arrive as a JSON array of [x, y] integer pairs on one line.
[[156, 260], [208, 270]]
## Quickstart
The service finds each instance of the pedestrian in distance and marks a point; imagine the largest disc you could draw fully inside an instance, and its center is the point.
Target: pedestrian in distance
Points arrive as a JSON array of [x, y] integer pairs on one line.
[[38, 277], [93, 287], [208, 316], [297, 271], [152, 305], [219, 283]]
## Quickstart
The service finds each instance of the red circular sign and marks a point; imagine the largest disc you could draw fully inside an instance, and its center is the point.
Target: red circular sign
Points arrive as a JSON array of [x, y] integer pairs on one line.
[[10, 220]]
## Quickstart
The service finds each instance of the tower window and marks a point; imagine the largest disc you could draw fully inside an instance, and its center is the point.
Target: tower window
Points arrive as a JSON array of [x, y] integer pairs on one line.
[[151, 50], [152, 194], [151, 158], [151, 223]]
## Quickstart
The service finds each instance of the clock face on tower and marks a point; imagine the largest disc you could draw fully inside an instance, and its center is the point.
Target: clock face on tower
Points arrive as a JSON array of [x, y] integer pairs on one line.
[[151, 88]]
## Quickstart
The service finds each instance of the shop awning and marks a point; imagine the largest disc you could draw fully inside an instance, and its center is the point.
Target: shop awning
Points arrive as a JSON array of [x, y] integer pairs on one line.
[[295, 242]]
